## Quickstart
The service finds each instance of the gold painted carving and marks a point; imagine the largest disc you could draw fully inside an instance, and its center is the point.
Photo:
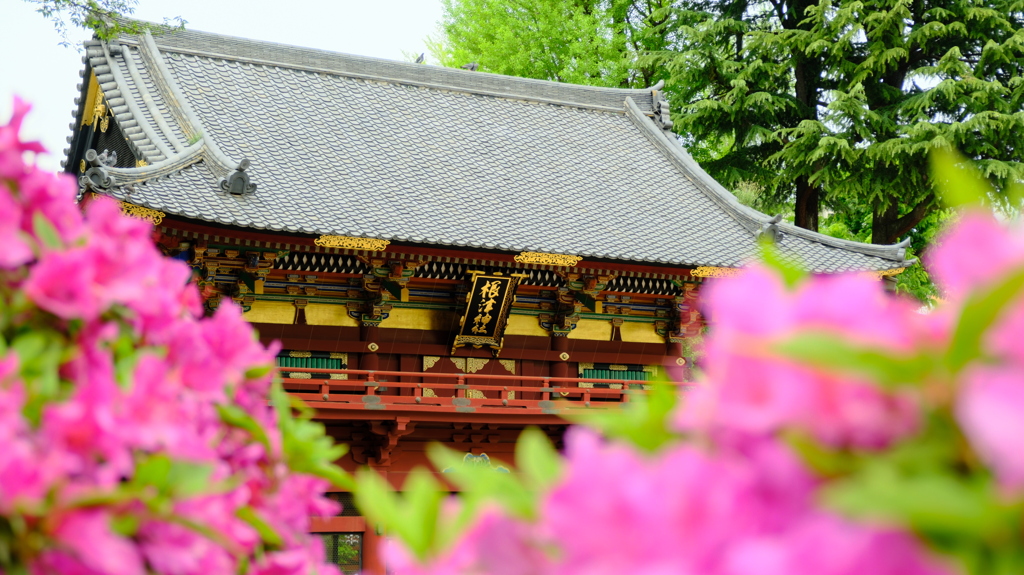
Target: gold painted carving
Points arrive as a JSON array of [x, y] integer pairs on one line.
[[713, 272], [460, 363], [680, 361], [886, 273], [651, 368], [475, 364], [429, 361], [510, 395], [81, 166], [339, 376], [427, 392], [300, 354], [475, 394], [298, 375], [509, 365], [152, 216], [373, 347], [99, 113], [141, 163], [548, 259], [350, 243], [488, 294], [583, 366], [563, 356], [618, 367], [342, 356]]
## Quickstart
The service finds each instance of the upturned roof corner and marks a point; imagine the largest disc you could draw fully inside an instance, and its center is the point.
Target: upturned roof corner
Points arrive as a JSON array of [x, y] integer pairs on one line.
[[475, 160]]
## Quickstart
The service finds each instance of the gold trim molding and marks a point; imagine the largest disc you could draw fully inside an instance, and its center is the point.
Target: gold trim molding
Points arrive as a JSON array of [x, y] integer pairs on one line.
[[887, 273], [152, 216], [475, 364], [713, 272], [548, 259], [350, 243]]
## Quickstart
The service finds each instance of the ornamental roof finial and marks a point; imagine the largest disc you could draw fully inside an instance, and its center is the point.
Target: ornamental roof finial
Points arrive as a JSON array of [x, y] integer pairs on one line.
[[237, 183]]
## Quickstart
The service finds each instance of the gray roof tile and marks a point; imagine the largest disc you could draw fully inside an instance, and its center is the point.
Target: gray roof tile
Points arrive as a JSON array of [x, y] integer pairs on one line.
[[362, 147]]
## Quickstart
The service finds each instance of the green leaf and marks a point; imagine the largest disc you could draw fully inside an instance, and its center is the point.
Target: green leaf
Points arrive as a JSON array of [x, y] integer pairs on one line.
[[830, 352], [482, 485], [258, 371], [643, 420], [937, 503], [237, 417], [153, 471], [792, 273], [126, 525], [412, 516], [45, 231], [980, 311], [189, 479], [959, 183], [267, 533], [537, 458]]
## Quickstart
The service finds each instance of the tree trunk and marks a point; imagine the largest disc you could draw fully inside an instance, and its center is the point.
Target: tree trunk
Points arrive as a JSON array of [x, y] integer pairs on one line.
[[807, 208], [888, 226]]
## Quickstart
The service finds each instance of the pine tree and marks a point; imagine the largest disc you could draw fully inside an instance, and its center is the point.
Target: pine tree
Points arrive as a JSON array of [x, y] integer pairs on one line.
[[820, 104]]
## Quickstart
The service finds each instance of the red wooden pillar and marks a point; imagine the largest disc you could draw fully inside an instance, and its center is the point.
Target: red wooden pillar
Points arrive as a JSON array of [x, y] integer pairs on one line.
[[369, 360], [409, 363], [560, 344]]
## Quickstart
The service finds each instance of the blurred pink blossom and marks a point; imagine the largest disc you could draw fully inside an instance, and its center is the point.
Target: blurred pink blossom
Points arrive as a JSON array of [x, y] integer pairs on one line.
[[753, 389]]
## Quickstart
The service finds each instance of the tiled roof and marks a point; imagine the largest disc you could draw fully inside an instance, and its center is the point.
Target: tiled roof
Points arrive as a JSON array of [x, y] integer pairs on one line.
[[355, 146]]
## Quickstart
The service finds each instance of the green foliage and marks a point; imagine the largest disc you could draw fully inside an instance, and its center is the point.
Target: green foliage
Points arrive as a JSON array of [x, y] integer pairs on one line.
[[642, 421], [828, 104], [419, 515], [546, 39], [106, 18], [306, 446]]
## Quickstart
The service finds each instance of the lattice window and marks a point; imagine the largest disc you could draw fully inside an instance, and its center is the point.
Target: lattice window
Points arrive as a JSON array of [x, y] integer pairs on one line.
[[637, 373], [344, 550], [314, 360]]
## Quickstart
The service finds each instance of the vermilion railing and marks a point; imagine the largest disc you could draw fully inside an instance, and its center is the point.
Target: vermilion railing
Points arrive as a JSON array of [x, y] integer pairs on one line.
[[458, 392]]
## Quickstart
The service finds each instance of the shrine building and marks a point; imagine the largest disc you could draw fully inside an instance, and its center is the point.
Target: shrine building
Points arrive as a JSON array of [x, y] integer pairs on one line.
[[445, 255]]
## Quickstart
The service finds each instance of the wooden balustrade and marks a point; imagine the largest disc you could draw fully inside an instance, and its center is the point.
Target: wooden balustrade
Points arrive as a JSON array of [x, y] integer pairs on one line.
[[454, 392]]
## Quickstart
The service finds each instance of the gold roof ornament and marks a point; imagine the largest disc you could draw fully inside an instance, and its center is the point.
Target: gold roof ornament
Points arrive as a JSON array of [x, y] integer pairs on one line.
[[548, 259], [714, 272], [351, 243], [887, 273], [152, 216]]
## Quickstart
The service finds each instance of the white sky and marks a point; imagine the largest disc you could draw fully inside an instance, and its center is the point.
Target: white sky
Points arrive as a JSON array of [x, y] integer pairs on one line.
[[35, 67]]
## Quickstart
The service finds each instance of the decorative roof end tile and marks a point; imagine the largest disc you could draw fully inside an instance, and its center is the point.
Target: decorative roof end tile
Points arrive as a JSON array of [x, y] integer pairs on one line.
[[237, 183]]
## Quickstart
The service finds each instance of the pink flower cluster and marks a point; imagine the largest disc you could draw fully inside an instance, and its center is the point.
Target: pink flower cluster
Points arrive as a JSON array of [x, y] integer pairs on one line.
[[116, 458], [757, 391], [684, 511], [975, 256], [731, 498]]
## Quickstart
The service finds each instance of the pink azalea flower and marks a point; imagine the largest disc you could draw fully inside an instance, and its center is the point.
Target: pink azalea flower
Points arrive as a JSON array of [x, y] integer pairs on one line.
[[16, 250], [12, 149], [990, 409], [495, 545], [955, 262], [826, 545], [52, 196], [752, 389], [66, 285], [86, 538]]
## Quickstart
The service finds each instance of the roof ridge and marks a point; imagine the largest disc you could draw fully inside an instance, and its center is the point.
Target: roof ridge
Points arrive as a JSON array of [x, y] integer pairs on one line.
[[180, 108], [208, 44], [748, 217]]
